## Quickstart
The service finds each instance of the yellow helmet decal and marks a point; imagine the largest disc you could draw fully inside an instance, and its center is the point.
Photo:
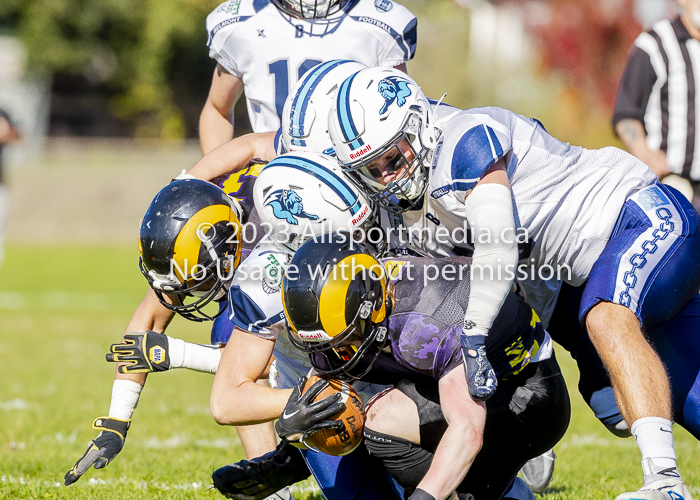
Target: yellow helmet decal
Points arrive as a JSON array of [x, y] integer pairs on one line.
[[188, 242], [334, 293]]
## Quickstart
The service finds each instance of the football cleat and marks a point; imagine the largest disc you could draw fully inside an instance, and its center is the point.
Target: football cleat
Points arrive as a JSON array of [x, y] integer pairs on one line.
[[264, 476], [664, 489], [537, 473]]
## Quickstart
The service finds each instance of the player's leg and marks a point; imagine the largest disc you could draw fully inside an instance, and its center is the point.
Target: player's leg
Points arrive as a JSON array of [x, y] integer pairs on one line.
[[257, 441], [644, 278], [526, 417], [678, 345], [594, 383]]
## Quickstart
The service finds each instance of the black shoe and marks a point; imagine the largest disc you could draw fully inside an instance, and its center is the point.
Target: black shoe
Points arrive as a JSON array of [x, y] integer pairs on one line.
[[261, 477]]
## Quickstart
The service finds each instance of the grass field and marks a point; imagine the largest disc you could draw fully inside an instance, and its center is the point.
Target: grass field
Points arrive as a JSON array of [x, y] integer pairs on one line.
[[60, 309]]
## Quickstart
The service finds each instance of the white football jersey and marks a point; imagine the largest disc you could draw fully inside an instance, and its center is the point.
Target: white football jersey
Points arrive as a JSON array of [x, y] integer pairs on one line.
[[566, 199], [255, 301], [270, 51]]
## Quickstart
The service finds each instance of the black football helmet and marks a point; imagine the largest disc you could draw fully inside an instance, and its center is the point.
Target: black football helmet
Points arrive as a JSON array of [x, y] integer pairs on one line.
[[335, 301], [189, 245], [310, 9]]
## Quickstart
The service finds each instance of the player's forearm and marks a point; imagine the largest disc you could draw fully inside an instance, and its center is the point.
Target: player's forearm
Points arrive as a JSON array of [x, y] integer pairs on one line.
[[453, 458], [234, 407], [235, 155], [462, 440], [489, 211], [215, 128]]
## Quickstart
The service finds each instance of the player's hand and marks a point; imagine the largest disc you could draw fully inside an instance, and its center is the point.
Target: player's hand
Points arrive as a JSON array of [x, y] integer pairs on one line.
[[102, 450], [481, 378], [142, 352], [301, 417]]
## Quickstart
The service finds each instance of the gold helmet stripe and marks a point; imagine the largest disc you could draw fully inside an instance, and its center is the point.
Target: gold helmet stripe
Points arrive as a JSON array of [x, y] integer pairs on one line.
[[335, 291], [188, 242]]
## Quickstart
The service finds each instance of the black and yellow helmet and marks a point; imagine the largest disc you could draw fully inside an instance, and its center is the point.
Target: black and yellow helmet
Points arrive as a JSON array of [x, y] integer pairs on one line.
[[189, 245], [335, 300]]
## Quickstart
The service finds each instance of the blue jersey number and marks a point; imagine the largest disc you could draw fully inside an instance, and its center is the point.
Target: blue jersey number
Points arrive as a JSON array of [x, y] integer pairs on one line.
[[280, 71]]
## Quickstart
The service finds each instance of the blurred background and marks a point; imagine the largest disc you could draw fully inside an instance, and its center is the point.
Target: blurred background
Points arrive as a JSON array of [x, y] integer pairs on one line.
[[119, 84]]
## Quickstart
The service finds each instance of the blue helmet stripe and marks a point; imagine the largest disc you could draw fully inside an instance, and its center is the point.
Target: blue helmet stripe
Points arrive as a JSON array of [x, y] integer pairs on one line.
[[346, 124], [303, 96], [324, 175]]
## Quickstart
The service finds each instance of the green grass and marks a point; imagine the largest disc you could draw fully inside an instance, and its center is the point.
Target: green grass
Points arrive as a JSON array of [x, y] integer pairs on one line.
[[61, 308]]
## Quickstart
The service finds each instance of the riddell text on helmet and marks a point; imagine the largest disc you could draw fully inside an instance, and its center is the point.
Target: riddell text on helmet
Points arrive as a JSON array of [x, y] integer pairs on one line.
[[360, 152]]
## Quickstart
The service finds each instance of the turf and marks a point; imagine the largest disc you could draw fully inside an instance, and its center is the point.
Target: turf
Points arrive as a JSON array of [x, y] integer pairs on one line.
[[61, 308]]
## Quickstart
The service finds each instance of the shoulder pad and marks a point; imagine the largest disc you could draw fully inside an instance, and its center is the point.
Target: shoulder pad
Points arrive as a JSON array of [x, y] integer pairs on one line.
[[389, 18], [228, 15]]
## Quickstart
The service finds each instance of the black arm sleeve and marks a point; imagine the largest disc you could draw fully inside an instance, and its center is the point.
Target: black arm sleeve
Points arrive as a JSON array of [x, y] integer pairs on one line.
[[635, 88]]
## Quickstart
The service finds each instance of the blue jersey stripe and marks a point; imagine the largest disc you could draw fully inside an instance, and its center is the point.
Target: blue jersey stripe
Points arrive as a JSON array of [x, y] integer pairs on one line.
[[322, 174], [346, 124], [303, 96]]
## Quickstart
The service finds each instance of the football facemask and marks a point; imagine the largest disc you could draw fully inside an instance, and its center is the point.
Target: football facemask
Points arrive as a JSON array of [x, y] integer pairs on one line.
[[310, 9]]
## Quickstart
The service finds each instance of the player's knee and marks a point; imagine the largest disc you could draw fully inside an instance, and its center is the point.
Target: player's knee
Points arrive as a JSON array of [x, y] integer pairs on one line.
[[391, 412], [218, 410], [405, 461]]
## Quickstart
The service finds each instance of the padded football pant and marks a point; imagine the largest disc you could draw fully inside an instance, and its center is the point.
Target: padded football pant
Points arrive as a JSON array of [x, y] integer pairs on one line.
[[678, 346], [528, 415], [352, 477]]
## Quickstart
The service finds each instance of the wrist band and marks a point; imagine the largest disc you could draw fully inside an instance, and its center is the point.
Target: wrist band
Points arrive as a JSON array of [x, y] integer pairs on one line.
[[125, 397]]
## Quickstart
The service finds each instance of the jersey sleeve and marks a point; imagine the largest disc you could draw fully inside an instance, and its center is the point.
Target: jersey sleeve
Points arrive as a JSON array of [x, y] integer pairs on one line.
[[246, 314], [221, 24], [635, 87], [255, 301], [393, 25], [476, 151]]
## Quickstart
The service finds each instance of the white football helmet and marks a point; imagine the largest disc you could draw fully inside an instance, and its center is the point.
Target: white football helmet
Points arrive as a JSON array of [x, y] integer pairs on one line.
[[310, 9], [375, 111], [305, 113], [304, 195]]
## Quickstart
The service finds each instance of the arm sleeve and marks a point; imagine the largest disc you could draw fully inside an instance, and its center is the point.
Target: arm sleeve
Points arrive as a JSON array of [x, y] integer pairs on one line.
[[635, 88], [489, 211]]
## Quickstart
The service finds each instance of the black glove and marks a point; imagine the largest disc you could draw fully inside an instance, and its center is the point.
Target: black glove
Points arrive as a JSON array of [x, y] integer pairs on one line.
[[142, 352], [261, 477], [480, 376], [303, 417], [102, 450]]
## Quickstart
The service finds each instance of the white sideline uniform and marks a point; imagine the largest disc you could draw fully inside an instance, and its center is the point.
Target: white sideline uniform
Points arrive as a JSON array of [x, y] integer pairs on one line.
[[270, 51], [566, 198], [255, 306]]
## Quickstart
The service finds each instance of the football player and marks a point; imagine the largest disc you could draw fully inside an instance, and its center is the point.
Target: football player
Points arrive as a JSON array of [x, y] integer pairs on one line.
[[172, 249], [305, 130], [308, 192], [266, 46], [596, 217], [399, 320]]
